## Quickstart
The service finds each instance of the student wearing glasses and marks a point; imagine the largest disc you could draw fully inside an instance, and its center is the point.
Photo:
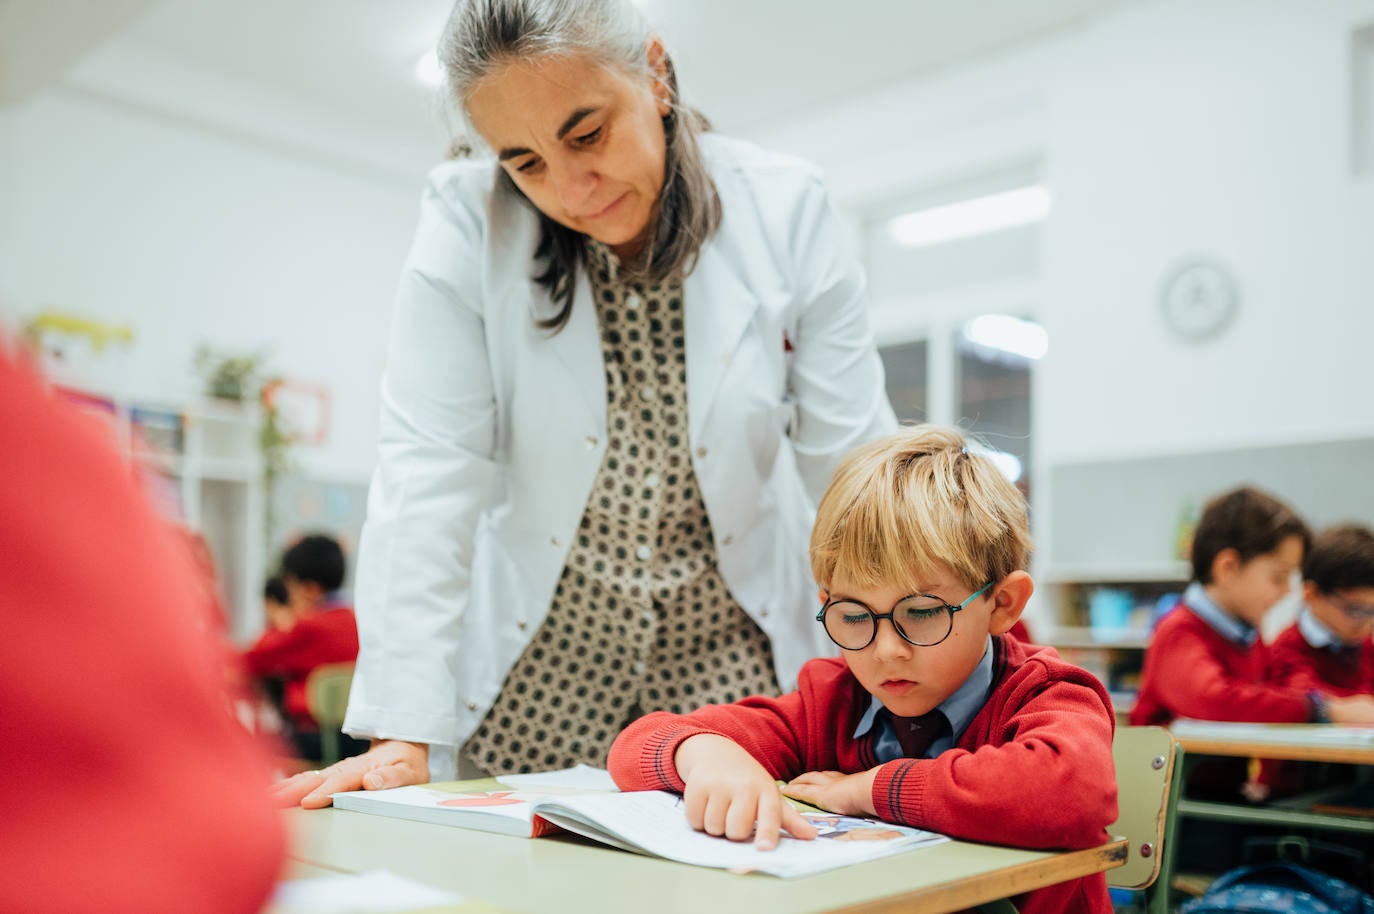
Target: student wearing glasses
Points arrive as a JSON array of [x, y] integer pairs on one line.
[[1206, 659], [932, 716], [1329, 647]]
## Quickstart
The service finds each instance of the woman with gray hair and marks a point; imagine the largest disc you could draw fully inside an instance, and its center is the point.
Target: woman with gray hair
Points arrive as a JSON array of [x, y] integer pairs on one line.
[[626, 354]]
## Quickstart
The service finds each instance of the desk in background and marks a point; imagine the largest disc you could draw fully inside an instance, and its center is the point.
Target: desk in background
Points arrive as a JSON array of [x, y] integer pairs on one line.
[[1295, 742], [569, 874]]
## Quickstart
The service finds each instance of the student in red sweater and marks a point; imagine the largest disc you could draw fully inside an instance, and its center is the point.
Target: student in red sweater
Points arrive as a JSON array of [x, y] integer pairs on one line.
[[316, 629], [1329, 647], [932, 716], [130, 787], [1206, 659]]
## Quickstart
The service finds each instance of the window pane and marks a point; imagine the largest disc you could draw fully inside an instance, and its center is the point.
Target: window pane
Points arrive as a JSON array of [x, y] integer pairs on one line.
[[906, 380], [995, 404]]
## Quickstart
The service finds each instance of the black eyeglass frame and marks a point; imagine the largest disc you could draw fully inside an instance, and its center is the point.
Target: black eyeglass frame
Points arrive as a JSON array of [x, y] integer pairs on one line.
[[1352, 611], [950, 610]]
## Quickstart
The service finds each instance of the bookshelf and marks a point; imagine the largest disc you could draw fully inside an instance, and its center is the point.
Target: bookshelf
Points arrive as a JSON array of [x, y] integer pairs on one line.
[[1102, 616], [200, 463]]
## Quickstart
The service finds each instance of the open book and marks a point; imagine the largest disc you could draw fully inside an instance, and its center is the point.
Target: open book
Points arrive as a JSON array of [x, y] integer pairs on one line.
[[582, 800]]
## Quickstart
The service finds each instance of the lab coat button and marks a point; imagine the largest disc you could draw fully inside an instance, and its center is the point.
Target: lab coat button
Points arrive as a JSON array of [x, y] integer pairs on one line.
[[591, 442], [554, 541], [701, 452], [727, 539], [472, 706], [522, 625]]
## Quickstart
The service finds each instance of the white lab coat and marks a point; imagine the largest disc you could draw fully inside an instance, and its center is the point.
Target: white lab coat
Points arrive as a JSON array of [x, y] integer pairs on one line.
[[492, 432]]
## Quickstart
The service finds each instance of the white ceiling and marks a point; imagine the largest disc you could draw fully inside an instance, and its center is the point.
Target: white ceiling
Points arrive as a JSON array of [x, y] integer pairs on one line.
[[745, 63]]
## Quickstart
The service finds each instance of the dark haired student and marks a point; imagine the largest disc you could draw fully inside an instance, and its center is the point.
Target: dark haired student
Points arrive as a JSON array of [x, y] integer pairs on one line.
[[314, 629], [1206, 659]]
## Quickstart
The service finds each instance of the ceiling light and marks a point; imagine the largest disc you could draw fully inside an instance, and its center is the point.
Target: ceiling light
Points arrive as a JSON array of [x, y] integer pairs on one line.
[[1009, 464], [1009, 334], [428, 71], [977, 216]]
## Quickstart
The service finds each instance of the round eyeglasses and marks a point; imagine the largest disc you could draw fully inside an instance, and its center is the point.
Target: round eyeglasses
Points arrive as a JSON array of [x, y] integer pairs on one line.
[[1353, 611], [922, 619]]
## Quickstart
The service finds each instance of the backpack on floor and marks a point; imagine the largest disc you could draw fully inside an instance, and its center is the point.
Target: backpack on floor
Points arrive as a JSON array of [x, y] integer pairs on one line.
[[1279, 888]]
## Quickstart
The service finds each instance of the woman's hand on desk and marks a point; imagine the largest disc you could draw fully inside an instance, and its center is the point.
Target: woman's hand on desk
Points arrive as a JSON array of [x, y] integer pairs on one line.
[[389, 763], [1353, 709], [729, 794]]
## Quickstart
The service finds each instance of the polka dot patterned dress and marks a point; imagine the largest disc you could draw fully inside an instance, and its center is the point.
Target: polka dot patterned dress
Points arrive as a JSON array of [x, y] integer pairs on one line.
[[641, 620]]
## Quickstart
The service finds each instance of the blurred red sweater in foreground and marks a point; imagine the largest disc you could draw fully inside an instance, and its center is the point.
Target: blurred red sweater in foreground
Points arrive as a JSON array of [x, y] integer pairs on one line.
[[131, 787]]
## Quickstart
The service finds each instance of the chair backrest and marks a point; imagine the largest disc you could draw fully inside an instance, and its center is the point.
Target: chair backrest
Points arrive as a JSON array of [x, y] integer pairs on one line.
[[326, 695], [1147, 795]]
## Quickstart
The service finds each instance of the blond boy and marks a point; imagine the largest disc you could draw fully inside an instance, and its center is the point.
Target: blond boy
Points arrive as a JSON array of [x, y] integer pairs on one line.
[[932, 716]]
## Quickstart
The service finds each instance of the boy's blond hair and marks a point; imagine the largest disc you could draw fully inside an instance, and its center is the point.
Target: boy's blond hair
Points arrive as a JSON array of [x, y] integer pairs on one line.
[[901, 505]]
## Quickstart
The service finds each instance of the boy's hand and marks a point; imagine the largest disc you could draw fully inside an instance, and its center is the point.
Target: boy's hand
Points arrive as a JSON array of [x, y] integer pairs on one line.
[[729, 793], [846, 794], [1354, 709]]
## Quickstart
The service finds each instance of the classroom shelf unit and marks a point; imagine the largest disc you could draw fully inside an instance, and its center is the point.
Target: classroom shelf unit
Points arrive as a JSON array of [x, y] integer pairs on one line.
[[1102, 616], [201, 464]]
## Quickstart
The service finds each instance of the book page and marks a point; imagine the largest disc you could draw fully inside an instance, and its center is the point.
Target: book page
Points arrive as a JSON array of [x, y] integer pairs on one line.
[[654, 823], [487, 803], [580, 777]]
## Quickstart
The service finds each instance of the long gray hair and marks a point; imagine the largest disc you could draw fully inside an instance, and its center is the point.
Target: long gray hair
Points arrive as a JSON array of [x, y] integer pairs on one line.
[[484, 34]]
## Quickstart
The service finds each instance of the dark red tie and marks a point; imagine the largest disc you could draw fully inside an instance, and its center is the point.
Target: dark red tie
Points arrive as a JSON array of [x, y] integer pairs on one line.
[[915, 734]]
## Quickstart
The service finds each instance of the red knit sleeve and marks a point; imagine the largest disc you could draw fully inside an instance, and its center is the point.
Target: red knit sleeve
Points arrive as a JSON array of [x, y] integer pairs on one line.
[[1196, 673], [1034, 769], [782, 734], [1291, 662]]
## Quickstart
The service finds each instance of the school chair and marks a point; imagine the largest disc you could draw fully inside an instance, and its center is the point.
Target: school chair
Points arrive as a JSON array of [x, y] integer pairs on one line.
[[326, 695], [1146, 760]]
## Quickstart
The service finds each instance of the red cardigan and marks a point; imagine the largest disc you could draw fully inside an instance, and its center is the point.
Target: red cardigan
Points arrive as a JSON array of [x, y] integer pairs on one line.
[[1033, 769], [131, 788], [1192, 671], [1297, 664], [327, 636]]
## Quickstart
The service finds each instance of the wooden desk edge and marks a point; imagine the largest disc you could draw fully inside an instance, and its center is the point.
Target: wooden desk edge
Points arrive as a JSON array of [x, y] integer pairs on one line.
[[1353, 755], [1004, 883]]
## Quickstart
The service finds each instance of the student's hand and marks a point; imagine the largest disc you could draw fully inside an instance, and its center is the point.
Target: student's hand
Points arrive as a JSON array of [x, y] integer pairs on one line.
[[729, 793], [389, 763], [846, 794], [1354, 709]]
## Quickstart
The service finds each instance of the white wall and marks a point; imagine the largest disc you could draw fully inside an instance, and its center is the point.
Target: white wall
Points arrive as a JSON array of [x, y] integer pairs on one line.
[[1169, 129], [1220, 128], [129, 215], [7, 177]]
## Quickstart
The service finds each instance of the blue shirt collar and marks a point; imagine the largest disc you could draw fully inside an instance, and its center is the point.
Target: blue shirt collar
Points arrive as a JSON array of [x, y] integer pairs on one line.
[[959, 709], [1315, 632], [1223, 623]]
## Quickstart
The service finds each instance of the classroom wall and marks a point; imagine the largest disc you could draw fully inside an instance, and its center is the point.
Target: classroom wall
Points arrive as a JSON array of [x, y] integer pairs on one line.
[[6, 212], [191, 231], [1164, 129], [1167, 129]]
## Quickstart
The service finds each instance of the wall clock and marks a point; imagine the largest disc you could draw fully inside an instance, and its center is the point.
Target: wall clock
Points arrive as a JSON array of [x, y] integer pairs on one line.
[[1198, 298]]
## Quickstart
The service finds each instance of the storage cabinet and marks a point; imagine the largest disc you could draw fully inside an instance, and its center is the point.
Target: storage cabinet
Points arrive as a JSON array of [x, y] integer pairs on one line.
[[1101, 617], [201, 464]]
